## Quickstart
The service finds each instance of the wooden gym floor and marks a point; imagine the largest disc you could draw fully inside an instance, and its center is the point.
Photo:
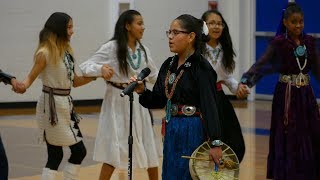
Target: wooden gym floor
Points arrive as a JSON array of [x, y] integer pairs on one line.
[[27, 158]]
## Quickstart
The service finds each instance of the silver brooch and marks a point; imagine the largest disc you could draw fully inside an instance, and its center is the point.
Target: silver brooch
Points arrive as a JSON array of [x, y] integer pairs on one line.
[[172, 77], [187, 64]]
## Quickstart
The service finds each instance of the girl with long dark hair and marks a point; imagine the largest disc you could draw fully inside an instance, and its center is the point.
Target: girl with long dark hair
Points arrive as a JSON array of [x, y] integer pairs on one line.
[[294, 144], [57, 120], [127, 56], [186, 87], [219, 52]]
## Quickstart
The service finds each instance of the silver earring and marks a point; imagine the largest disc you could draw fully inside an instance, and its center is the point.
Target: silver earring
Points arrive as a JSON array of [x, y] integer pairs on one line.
[[286, 33]]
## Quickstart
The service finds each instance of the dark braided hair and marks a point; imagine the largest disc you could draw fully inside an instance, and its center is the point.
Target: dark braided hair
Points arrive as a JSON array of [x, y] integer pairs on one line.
[[192, 24], [291, 8]]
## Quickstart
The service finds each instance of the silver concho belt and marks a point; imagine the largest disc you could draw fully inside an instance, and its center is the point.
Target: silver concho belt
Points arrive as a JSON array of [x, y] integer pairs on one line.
[[183, 110]]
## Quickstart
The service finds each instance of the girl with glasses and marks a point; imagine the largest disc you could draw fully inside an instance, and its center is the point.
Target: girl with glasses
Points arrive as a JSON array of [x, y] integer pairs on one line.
[[219, 52], [186, 87]]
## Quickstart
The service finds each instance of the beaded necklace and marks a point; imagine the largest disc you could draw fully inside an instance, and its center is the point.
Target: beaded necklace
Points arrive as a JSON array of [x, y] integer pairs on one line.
[[172, 79], [133, 57], [215, 58], [69, 64]]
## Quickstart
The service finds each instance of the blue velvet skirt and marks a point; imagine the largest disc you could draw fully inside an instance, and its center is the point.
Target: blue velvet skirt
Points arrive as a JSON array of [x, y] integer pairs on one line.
[[183, 135]]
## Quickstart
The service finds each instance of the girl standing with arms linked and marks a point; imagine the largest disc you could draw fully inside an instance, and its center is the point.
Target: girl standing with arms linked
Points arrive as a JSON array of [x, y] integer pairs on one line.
[[294, 143], [127, 56], [58, 123], [219, 52]]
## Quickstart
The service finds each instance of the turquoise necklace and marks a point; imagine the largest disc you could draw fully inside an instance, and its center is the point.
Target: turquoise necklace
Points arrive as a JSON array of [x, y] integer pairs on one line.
[[134, 57], [172, 80], [300, 51]]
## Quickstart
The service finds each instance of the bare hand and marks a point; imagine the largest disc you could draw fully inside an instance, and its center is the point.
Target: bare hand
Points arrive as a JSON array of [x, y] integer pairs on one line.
[[17, 86], [140, 87], [242, 91], [107, 72], [216, 154]]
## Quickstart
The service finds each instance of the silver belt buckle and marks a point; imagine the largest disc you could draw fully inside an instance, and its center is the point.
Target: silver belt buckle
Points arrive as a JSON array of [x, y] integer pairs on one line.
[[285, 78], [174, 109], [188, 110], [124, 85]]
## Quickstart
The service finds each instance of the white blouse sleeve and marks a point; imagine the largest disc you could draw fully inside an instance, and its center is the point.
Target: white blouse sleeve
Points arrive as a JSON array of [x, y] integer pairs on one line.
[[231, 83], [154, 70], [226, 77], [92, 67]]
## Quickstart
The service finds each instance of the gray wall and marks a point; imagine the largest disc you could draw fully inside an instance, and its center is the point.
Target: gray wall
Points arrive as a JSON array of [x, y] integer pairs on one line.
[[21, 22], [158, 16]]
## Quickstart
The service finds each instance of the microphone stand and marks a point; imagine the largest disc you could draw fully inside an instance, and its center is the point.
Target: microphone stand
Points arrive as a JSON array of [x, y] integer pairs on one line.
[[130, 138]]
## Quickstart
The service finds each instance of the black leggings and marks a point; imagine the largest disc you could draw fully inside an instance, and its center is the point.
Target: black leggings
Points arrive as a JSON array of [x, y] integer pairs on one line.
[[55, 155], [3, 163]]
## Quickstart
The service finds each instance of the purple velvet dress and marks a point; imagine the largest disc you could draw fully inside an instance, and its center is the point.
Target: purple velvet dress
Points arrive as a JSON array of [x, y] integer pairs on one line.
[[294, 152]]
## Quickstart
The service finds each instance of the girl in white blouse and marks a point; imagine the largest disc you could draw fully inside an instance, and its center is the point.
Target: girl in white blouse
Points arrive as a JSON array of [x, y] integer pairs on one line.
[[220, 54], [127, 56]]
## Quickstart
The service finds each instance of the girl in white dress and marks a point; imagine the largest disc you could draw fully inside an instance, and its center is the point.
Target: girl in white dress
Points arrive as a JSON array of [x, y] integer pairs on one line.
[[58, 123], [127, 56]]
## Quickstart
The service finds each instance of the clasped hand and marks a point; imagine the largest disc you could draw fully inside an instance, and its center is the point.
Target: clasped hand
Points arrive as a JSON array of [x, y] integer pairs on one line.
[[17, 86], [243, 91], [107, 72]]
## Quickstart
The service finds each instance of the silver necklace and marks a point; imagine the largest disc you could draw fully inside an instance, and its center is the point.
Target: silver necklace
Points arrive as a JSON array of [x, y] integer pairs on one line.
[[215, 58], [299, 52]]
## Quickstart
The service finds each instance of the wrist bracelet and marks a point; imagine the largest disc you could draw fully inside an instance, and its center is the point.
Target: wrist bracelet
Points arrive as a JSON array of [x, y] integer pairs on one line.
[[216, 143]]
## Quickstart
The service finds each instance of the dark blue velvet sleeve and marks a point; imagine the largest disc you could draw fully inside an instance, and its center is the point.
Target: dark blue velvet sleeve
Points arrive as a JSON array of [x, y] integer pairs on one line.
[[156, 99], [262, 67]]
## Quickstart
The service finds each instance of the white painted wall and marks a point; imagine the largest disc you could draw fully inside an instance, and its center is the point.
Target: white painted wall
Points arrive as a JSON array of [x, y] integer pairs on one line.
[[21, 22], [94, 21], [158, 16]]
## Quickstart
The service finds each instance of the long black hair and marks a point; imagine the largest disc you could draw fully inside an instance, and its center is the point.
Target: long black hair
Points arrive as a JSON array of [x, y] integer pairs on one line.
[[225, 41], [192, 24], [121, 37]]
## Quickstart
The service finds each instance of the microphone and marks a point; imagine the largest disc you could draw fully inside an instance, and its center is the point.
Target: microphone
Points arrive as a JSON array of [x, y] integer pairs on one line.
[[129, 89]]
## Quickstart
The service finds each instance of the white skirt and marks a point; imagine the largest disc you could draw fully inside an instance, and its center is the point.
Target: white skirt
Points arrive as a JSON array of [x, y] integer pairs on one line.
[[111, 144]]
